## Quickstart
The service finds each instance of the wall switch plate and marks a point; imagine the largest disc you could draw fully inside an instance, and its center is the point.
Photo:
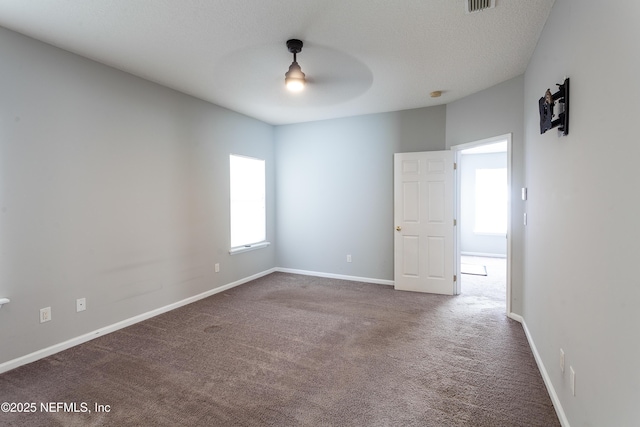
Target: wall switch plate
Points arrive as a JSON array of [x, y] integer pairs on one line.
[[45, 314], [216, 267], [562, 361], [349, 258], [81, 304], [572, 380]]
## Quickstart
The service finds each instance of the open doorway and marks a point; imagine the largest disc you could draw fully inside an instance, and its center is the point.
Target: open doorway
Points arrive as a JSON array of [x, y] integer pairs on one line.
[[482, 235]]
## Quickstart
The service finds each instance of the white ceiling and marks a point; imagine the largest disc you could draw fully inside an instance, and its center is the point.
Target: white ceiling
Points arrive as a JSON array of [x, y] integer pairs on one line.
[[360, 56]]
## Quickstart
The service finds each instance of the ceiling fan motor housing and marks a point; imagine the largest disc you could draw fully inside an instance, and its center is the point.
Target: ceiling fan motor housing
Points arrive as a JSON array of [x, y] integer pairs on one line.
[[294, 45]]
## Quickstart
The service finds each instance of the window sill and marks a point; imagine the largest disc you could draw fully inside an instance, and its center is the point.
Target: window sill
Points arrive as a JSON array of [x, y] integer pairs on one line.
[[247, 248]]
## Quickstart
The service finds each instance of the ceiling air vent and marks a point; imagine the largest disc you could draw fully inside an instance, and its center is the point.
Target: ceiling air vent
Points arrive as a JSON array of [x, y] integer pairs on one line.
[[478, 5]]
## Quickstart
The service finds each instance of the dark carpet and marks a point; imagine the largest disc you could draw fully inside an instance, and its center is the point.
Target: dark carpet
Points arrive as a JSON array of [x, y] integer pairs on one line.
[[291, 350]]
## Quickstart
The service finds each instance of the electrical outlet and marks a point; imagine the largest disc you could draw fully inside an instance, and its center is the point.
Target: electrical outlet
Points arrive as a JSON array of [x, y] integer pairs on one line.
[[562, 361], [216, 267], [81, 304], [572, 380], [348, 257], [45, 314]]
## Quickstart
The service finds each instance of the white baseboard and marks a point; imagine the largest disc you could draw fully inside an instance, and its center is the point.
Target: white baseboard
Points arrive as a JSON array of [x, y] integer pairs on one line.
[[515, 317], [56, 348], [336, 276], [545, 376]]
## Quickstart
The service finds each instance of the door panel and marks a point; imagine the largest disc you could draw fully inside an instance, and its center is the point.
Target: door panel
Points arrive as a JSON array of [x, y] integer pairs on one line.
[[423, 211], [411, 247], [436, 259], [436, 199], [411, 208]]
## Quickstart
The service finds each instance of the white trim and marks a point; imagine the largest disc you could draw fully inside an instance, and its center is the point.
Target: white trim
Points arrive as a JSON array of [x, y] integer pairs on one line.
[[56, 348], [545, 376], [247, 248], [515, 317], [336, 276], [480, 142], [457, 150]]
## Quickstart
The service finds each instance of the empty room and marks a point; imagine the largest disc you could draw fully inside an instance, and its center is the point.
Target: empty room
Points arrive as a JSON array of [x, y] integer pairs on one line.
[[319, 213]]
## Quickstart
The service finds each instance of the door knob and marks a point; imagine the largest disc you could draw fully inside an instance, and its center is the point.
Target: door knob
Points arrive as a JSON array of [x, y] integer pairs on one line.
[[398, 228]]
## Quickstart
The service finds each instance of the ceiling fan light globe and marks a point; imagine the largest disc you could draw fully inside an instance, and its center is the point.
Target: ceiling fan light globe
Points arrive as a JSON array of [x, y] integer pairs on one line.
[[294, 85], [294, 78]]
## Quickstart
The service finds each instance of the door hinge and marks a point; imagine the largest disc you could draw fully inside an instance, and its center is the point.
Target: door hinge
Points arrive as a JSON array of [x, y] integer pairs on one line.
[[455, 166], [455, 278], [455, 222]]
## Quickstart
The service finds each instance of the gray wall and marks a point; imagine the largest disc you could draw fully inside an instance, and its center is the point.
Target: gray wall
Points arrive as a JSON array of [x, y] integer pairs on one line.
[[581, 293], [335, 189], [470, 241], [496, 111], [112, 188]]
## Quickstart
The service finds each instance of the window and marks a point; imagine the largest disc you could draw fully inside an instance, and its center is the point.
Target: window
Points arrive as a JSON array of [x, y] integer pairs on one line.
[[247, 203], [491, 201]]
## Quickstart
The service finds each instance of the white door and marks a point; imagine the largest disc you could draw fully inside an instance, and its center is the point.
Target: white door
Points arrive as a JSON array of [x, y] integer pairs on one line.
[[423, 212]]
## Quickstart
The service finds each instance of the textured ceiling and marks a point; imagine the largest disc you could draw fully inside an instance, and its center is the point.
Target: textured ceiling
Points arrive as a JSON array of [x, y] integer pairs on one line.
[[360, 56]]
